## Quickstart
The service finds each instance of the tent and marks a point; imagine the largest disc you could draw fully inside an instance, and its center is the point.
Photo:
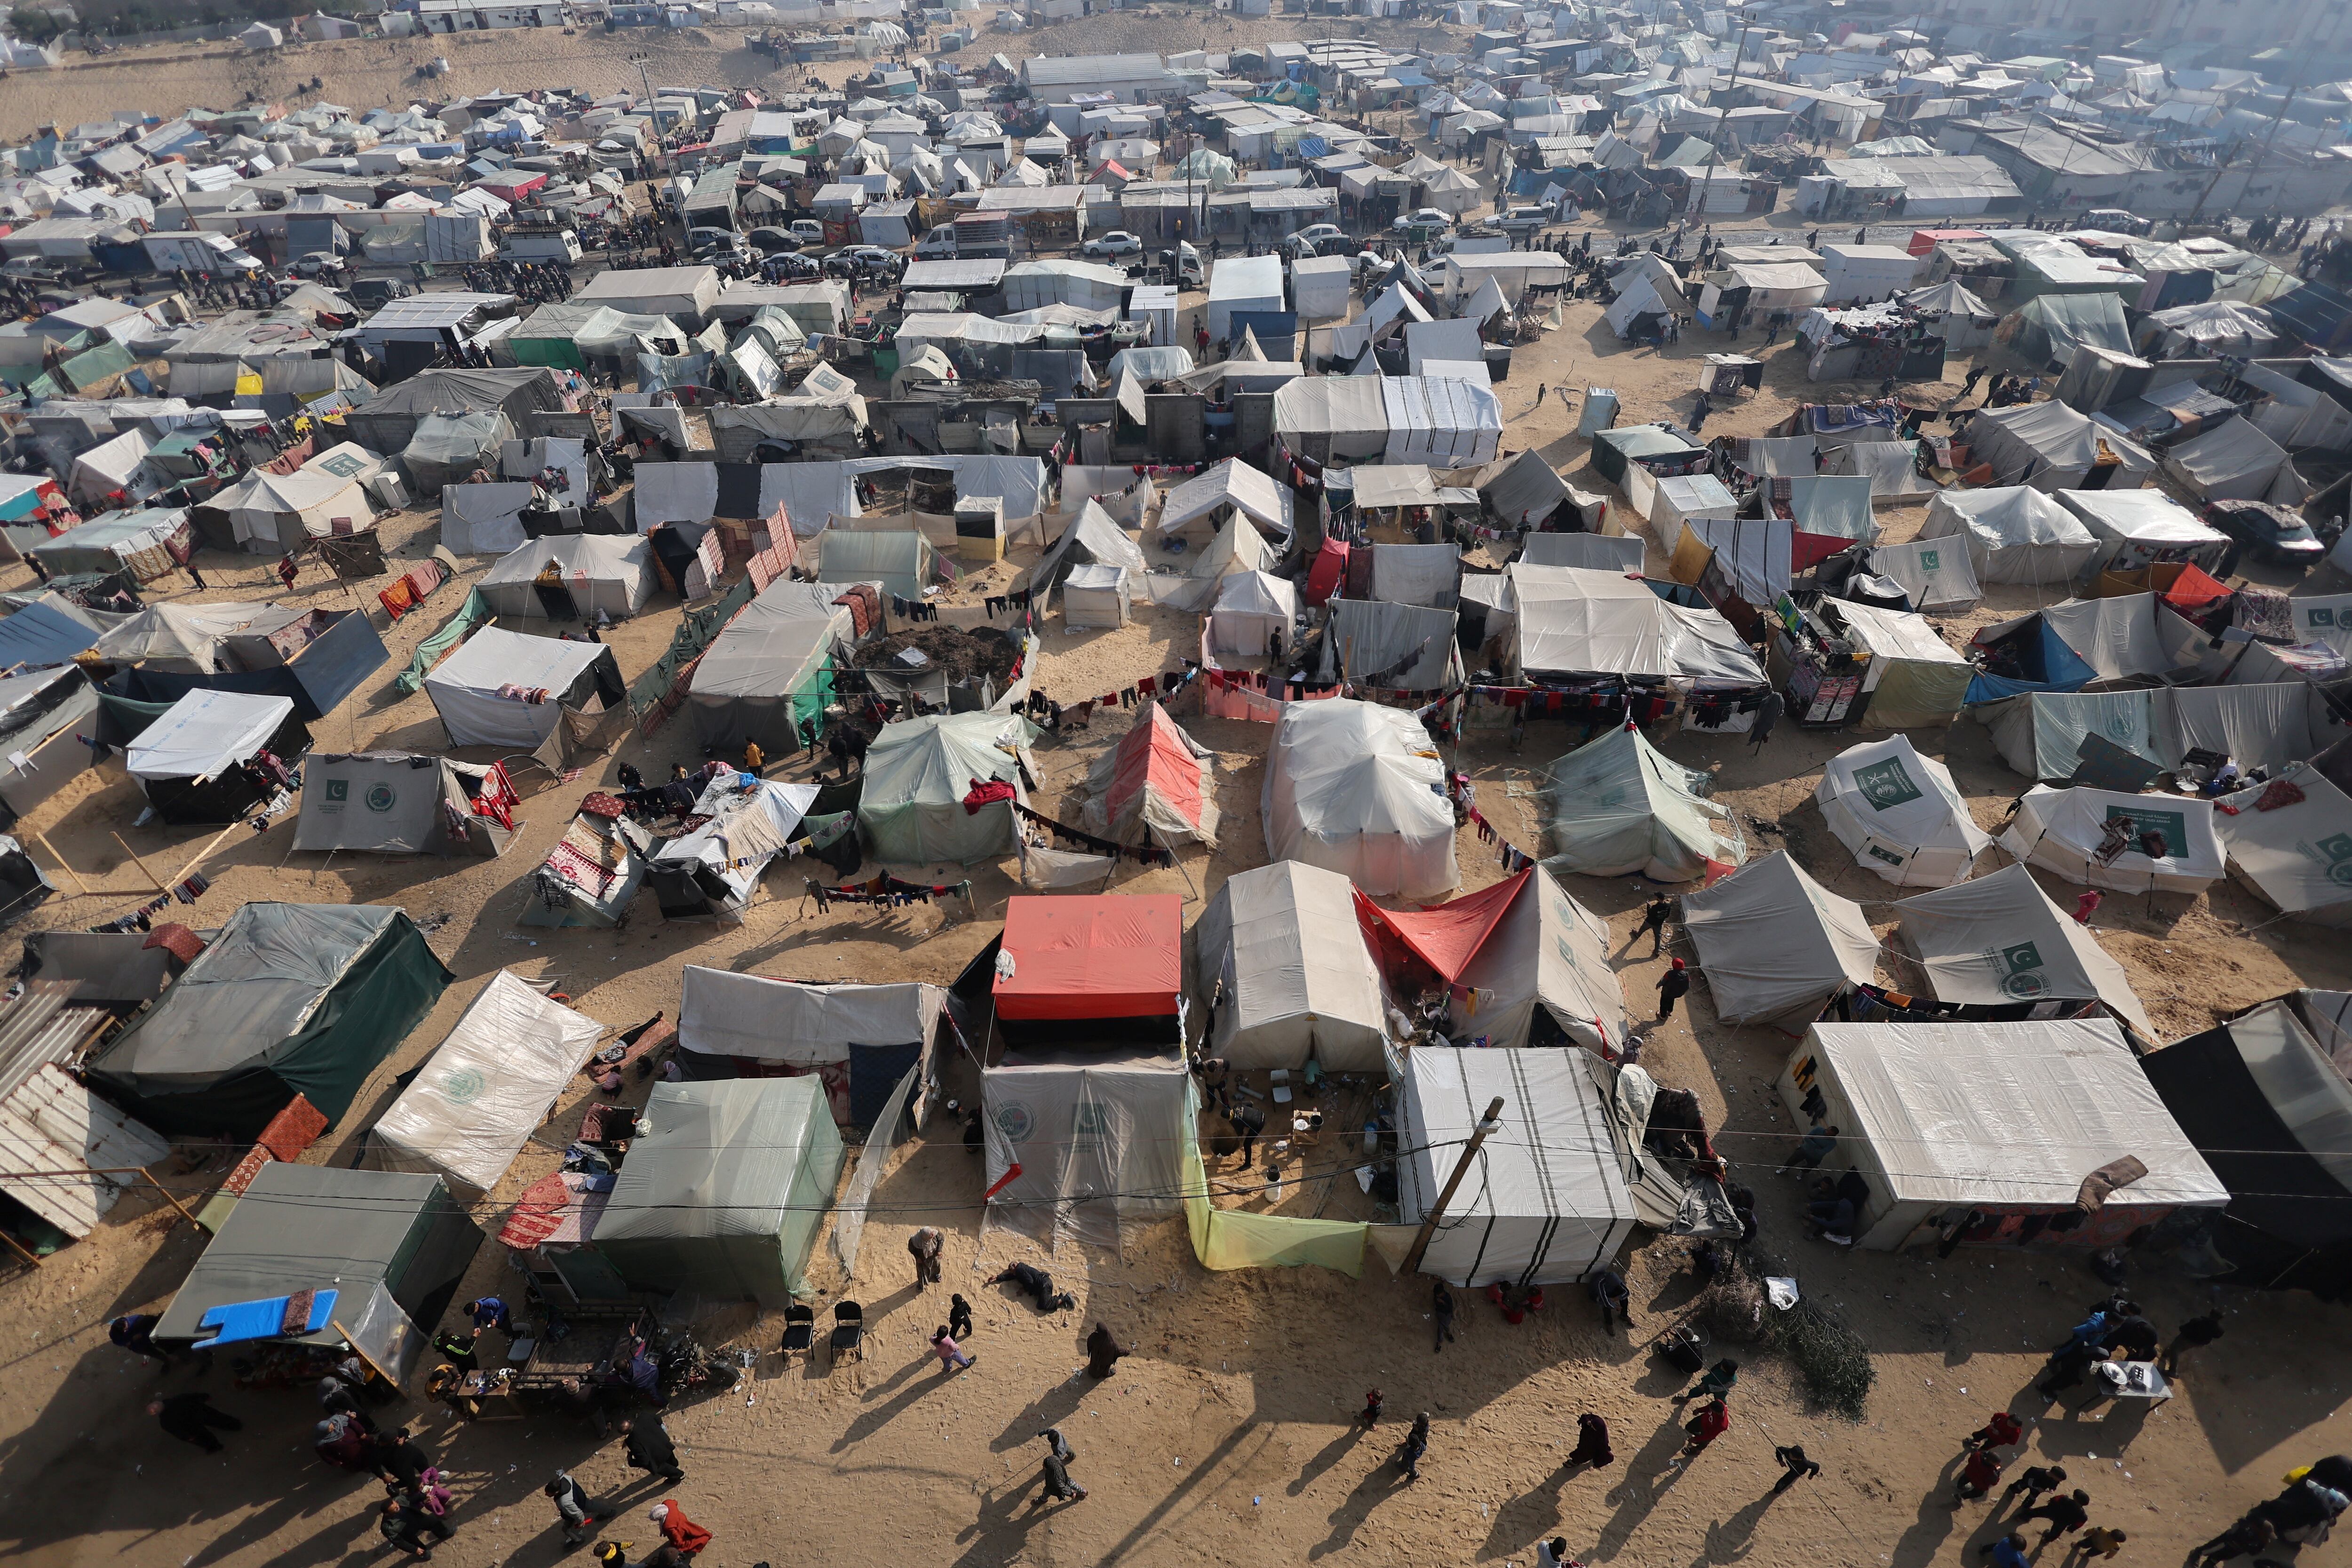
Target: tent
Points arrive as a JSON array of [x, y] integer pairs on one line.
[[1079, 1141], [2051, 448], [1157, 786], [1891, 467], [316, 658], [447, 447], [1251, 607], [1547, 1204], [1939, 579], [485, 519], [508, 689], [772, 669], [273, 513], [1900, 814], [149, 542], [591, 877], [1914, 677], [917, 772], [2271, 1110], [900, 560], [1093, 538], [1675, 503], [476, 1101], [1989, 1131], [2171, 843], [571, 577], [1077, 968], [724, 1191], [2146, 527], [1096, 596], [2041, 336], [2013, 534], [1379, 646], [1194, 510], [44, 714], [1281, 943], [1522, 963], [1618, 807], [288, 999], [1999, 939], [712, 870], [2234, 461], [1589, 551], [1358, 788], [1775, 944], [1573, 621], [404, 802], [2297, 852], [389, 1248], [2069, 644], [1958, 317], [2208, 330], [199, 760], [859, 1041], [2055, 735]]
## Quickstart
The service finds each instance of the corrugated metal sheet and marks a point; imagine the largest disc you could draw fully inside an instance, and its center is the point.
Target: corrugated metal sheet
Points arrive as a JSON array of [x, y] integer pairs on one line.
[[55, 1125]]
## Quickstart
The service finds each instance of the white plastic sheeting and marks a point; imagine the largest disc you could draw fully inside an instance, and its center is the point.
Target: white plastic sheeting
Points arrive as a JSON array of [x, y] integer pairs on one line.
[[1097, 1138], [2013, 534], [206, 733], [1298, 981], [1577, 621], [1618, 807], [1900, 814], [2052, 447], [1775, 944], [1358, 789], [464, 686], [1999, 939], [721, 1012], [1940, 578], [608, 572], [473, 1106], [487, 519], [1444, 423], [2062, 830], [2298, 856]]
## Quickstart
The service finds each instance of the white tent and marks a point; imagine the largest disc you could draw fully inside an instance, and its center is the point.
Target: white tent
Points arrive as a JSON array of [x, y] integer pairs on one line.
[[272, 514], [1195, 509], [1677, 501], [1547, 1203], [1358, 789], [2051, 448], [1940, 579], [1900, 814], [1080, 1140], [2005, 1119], [1618, 807], [1775, 944], [2062, 831], [2298, 854], [2140, 527], [2117, 637], [2232, 462], [485, 691], [1251, 606], [1914, 677], [1297, 980], [859, 1038], [206, 733], [587, 574], [2013, 534], [1545, 951], [479, 519], [1573, 621], [1095, 596], [917, 772], [475, 1103], [1999, 939]]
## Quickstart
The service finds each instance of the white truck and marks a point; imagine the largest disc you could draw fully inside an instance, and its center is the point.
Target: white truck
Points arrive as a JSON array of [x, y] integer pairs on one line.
[[560, 246]]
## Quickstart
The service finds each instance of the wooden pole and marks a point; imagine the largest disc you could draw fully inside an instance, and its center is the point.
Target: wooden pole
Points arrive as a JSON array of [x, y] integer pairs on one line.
[[43, 839], [169, 1198], [143, 868], [19, 1248], [365, 1359], [1488, 1123], [206, 850]]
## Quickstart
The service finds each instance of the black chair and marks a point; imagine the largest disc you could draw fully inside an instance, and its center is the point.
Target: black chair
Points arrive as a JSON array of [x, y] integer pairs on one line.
[[848, 1331], [800, 1329]]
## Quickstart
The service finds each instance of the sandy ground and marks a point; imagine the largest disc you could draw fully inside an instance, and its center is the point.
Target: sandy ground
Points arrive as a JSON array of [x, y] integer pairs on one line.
[[1226, 1436]]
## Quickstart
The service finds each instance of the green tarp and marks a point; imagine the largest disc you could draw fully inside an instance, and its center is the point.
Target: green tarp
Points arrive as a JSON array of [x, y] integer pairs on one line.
[[471, 613]]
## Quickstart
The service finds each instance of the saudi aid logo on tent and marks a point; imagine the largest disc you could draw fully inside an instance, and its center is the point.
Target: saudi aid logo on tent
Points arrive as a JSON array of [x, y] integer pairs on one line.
[[2020, 966], [1886, 784]]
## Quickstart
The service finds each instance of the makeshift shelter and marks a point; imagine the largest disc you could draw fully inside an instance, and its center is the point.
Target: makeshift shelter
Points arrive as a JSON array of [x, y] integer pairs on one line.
[[1358, 789], [1958, 317], [1589, 551], [2050, 447], [918, 774], [571, 577], [2291, 839], [2269, 1108], [44, 714], [271, 515], [1675, 503], [1998, 938], [1938, 578], [447, 447], [203, 760], [485, 1089], [1096, 596], [1157, 786], [2041, 336], [1079, 1141], [1093, 538], [2012, 534], [742, 824], [858, 1041], [381, 1252], [1297, 981], [1196, 508], [1891, 467], [1377, 645], [511, 689], [2057, 735], [2069, 644], [148, 543], [2234, 461], [403, 803], [1900, 814], [902, 561], [2208, 329], [1522, 964], [314, 657], [1618, 807], [1774, 944], [485, 519], [773, 667], [288, 999], [1086, 969], [724, 1191], [1913, 678], [1251, 609], [1573, 621], [1547, 1204], [1998, 1133], [2140, 843], [591, 877]]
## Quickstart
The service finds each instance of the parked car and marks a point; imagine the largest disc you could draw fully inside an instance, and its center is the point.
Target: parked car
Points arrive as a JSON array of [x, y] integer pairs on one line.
[[771, 240], [871, 258], [1518, 222], [323, 265], [1118, 242], [376, 293], [1317, 239], [1427, 217], [809, 230], [2265, 531], [717, 252], [792, 264]]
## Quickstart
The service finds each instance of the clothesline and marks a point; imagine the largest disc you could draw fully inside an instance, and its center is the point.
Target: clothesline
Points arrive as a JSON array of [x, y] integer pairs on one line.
[[1149, 855]]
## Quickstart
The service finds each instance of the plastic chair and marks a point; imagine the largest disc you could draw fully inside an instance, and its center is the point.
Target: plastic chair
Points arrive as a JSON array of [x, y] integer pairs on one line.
[[848, 1331], [800, 1329]]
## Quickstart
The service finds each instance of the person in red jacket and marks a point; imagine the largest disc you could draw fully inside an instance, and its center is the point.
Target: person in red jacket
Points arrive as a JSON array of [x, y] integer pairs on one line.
[[680, 1532], [2001, 1432], [1977, 1474], [1713, 1420]]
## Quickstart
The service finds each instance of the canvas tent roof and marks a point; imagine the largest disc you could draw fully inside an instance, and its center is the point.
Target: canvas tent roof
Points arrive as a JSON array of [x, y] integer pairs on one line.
[[1900, 814], [2013, 534], [1775, 944], [2295, 855], [2148, 519], [1230, 483], [726, 1186], [1998, 1115], [288, 999], [1112, 956], [1999, 939], [1346, 410], [1092, 538], [1914, 677], [1096, 1137], [2232, 462], [206, 733], [1298, 980], [2051, 448], [917, 772], [602, 572], [1156, 787], [1891, 467], [478, 1097], [1938, 579], [1547, 1203], [1576, 621], [1535, 962], [273, 512], [2061, 830], [1618, 807], [1358, 788], [2042, 335], [465, 686], [1390, 646], [722, 1013], [2115, 638], [393, 803], [770, 668]]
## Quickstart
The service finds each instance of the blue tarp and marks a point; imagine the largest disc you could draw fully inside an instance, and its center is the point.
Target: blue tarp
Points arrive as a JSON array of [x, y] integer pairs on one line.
[[41, 635], [2049, 665]]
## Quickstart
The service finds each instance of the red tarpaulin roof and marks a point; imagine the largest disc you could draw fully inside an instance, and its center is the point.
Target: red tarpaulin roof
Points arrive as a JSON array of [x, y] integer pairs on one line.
[[1119, 956], [1330, 566], [1153, 756], [1445, 938], [2191, 587]]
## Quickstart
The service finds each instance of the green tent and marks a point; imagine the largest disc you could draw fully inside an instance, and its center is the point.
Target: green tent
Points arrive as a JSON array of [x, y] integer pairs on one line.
[[288, 999], [725, 1187], [917, 772], [1618, 807]]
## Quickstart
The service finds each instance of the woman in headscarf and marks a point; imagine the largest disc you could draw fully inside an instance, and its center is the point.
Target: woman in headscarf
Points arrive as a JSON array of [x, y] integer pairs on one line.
[[677, 1530]]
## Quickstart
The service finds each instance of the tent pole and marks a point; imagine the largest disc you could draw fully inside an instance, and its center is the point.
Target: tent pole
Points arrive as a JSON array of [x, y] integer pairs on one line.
[[1176, 860], [170, 1199], [43, 839], [160, 887], [1490, 1122]]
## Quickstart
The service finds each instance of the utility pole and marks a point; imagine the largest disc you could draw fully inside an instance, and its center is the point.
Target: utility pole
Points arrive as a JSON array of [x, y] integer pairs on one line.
[[1490, 1122], [1715, 148]]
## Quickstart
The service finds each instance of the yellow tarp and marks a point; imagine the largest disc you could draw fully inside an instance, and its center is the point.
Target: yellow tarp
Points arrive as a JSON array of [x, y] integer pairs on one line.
[[1690, 558], [1228, 1238]]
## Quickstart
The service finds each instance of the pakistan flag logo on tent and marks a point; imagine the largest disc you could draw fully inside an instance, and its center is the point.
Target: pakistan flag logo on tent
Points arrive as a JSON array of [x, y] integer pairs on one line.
[[2337, 849], [1930, 559], [1886, 784], [2024, 979]]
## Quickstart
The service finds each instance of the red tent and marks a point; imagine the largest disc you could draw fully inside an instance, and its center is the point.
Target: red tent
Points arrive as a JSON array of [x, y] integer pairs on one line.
[[1444, 940], [1330, 567], [1151, 787], [1119, 956]]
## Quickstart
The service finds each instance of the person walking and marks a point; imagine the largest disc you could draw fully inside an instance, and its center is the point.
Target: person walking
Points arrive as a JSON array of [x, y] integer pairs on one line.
[[404, 1522], [2033, 1481], [951, 1356], [2099, 1542], [1969, 387], [2066, 1514], [1591, 1444], [1058, 1486], [2194, 1334], [1248, 1120], [1441, 1308], [2008, 1551], [1371, 1414], [959, 1318], [1768, 714], [924, 1248], [191, 1418], [1717, 1381], [1540, 390], [2247, 1536], [1608, 1294], [1977, 1474], [1713, 1420], [647, 1443], [1654, 916], [2004, 1431], [1415, 1445], [1674, 982], [1103, 1352], [575, 1513], [1794, 1467], [680, 1532]]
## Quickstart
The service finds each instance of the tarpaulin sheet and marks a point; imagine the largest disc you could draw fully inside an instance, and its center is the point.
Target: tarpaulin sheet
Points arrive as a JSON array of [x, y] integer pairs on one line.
[[1774, 944], [1900, 814], [1117, 956], [1152, 787], [1298, 980], [1999, 939], [2062, 830]]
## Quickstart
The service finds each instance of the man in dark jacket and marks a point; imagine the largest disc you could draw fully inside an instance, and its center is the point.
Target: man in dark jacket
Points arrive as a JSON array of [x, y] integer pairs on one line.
[[1675, 983], [647, 1443], [190, 1418]]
